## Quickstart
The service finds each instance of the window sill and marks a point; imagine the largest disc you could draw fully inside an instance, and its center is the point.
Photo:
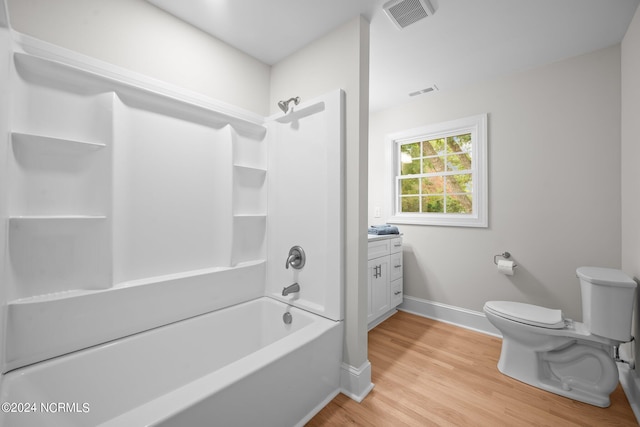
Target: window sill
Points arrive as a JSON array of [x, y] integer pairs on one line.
[[440, 220]]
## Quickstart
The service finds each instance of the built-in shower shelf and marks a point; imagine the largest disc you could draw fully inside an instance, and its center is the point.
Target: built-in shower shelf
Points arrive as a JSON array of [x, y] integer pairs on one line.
[[250, 217], [48, 143], [249, 190], [56, 217], [250, 170]]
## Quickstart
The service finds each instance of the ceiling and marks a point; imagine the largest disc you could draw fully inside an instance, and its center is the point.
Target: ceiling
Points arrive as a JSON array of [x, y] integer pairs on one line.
[[464, 41]]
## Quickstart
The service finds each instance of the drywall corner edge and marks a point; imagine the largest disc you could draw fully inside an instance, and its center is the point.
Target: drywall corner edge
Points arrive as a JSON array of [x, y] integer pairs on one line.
[[4, 14]]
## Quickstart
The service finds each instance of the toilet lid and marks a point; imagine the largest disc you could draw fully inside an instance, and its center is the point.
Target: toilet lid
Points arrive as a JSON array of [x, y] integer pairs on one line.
[[606, 277], [527, 313]]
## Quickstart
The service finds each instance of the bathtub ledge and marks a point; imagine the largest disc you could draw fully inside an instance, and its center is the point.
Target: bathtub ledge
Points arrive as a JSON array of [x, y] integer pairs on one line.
[[57, 324]]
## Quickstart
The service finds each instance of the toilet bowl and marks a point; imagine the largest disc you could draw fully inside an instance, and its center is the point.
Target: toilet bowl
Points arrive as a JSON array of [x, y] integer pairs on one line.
[[542, 348]]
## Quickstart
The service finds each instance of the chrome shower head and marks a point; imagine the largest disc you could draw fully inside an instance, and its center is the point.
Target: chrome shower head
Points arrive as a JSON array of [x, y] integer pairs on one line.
[[284, 105]]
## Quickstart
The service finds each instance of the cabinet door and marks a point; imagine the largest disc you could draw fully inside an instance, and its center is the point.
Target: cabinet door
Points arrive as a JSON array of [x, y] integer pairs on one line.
[[379, 292]]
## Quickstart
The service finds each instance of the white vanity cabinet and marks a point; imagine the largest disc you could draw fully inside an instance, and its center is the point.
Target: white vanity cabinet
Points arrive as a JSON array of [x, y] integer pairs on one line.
[[384, 277]]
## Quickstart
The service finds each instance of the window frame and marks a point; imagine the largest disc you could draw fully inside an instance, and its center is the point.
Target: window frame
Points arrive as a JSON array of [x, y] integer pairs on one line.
[[477, 127]]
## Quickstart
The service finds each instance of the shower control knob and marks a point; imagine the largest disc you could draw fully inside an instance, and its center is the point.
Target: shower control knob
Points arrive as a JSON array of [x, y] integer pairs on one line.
[[296, 258]]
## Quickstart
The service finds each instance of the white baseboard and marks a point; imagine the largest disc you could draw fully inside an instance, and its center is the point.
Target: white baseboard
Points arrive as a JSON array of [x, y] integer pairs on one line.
[[356, 382], [458, 316]]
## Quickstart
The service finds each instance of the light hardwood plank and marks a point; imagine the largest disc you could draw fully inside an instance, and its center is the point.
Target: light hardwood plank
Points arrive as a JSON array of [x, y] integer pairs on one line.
[[429, 373]]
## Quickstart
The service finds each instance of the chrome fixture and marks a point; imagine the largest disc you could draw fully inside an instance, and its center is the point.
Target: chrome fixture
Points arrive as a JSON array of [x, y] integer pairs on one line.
[[505, 255], [296, 258], [290, 289], [287, 318], [284, 105]]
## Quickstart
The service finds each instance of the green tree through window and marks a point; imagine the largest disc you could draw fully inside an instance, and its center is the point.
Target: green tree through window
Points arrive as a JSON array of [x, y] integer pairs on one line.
[[436, 175], [440, 174]]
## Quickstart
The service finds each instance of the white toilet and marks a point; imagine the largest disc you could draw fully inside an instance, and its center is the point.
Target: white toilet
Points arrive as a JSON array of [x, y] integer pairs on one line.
[[542, 348]]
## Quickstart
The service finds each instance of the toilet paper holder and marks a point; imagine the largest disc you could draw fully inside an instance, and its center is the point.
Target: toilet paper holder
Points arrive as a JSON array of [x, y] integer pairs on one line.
[[505, 255]]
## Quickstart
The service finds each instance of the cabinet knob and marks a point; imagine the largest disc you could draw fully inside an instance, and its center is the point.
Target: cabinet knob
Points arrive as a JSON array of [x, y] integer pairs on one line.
[[397, 292]]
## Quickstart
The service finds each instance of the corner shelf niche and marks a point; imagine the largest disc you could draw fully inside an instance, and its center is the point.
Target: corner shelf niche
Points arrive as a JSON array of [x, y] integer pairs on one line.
[[249, 196], [56, 176], [57, 253], [58, 225], [248, 238]]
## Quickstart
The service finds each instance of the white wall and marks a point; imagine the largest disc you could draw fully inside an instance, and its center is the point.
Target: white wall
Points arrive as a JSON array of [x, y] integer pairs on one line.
[[340, 60], [5, 47], [136, 35], [554, 186], [3, 14], [631, 155]]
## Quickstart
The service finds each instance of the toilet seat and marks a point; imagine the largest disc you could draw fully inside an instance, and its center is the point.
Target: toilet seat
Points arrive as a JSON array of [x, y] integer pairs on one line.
[[528, 314]]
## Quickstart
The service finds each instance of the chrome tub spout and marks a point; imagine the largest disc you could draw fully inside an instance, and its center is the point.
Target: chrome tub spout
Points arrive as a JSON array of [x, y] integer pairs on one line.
[[289, 289]]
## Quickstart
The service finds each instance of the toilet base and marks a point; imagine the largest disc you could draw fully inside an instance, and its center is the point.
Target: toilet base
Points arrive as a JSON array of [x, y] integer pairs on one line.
[[580, 371]]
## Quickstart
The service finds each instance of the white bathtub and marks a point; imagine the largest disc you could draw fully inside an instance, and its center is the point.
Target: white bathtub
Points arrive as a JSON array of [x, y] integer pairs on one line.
[[239, 366]]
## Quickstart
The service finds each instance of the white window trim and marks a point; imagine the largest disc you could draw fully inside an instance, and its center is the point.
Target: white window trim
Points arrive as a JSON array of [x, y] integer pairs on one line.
[[477, 125]]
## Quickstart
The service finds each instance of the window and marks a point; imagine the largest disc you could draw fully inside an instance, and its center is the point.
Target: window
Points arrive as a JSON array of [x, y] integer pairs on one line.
[[440, 174]]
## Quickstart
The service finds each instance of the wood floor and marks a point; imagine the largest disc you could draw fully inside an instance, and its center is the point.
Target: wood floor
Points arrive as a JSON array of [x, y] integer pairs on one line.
[[429, 373]]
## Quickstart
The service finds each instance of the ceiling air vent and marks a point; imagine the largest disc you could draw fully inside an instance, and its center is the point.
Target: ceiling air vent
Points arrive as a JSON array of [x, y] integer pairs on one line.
[[405, 12], [425, 90]]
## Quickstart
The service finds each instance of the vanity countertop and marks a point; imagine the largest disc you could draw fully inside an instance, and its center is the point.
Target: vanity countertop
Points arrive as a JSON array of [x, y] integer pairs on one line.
[[373, 237]]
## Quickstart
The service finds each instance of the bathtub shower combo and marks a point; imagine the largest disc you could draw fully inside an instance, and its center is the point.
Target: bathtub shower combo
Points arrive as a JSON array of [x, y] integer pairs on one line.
[[143, 277]]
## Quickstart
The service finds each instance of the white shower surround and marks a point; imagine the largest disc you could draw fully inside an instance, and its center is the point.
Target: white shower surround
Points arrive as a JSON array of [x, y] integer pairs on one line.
[[121, 204], [134, 204]]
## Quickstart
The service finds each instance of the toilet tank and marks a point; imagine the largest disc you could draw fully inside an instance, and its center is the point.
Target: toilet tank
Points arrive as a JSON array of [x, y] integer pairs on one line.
[[607, 301]]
